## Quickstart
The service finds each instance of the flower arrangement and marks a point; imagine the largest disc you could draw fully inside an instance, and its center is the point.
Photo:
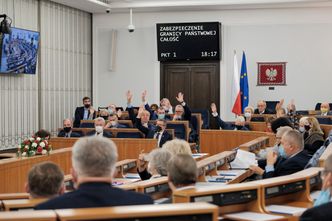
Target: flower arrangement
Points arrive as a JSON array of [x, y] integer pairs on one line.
[[34, 146]]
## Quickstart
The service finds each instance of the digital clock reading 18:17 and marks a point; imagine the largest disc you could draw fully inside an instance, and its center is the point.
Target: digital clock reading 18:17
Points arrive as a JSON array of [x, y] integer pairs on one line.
[[209, 54]]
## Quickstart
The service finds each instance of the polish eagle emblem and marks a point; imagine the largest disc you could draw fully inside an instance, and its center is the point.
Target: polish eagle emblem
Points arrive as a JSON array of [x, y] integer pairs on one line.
[[271, 74]]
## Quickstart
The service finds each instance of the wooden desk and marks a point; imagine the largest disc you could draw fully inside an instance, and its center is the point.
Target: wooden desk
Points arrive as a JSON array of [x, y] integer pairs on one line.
[[210, 165], [125, 166], [190, 211], [157, 188], [40, 215], [216, 141], [256, 144], [290, 190], [326, 129], [324, 156], [14, 196], [21, 203], [127, 148], [13, 172]]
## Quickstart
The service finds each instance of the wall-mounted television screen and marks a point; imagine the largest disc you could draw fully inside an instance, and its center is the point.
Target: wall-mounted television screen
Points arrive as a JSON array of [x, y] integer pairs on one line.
[[19, 52]]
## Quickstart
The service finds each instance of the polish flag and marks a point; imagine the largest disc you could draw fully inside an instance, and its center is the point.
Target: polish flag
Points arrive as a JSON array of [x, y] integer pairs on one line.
[[236, 94]]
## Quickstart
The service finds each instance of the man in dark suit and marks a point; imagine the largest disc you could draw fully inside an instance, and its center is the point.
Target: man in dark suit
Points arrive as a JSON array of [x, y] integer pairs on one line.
[[86, 112], [113, 122], [93, 177], [292, 158], [261, 108], [67, 130], [158, 132], [99, 129], [325, 109], [238, 125]]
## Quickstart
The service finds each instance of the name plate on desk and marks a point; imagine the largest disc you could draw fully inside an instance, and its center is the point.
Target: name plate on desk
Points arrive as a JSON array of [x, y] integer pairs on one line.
[[285, 189], [230, 198]]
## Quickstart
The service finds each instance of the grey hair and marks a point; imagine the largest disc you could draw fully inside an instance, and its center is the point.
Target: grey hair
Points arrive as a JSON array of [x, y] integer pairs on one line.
[[282, 130], [100, 119], [295, 138], [177, 146], [94, 157], [159, 159]]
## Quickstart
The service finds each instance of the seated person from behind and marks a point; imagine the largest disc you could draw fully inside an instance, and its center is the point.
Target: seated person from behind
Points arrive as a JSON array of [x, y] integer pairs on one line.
[[99, 129], [238, 125], [322, 209], [175, 147], [113, 122], [158, 160], [44, 134], [45, 180], [67, 130], [292, 158], [325, 109], [93, 177], [261, 108], [182, 172], [86, 112]]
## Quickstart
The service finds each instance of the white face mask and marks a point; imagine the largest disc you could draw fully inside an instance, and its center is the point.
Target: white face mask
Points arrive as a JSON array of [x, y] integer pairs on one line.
[[247, 114], [99, 129], [113, 123], [301, 129]]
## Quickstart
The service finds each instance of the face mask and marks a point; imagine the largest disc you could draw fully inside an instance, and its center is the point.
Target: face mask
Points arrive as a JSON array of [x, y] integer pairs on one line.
[[282, 152], [238, 127], [324, 197], [307, 127], [161, 116], [324, 110], [99, 129], [67, 129], [110, 111], [247, 114], [177, 118], [105, 117], [158, 128], [86, 105], [113, 123], [301, 129]]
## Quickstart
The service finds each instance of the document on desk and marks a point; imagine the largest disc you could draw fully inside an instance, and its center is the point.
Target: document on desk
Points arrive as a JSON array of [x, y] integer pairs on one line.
[[243, 160], [290, 210], [252, 216], [132, 176]]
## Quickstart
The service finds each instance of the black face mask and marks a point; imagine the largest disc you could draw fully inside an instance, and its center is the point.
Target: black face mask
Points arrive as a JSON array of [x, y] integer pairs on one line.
[[307, 127], [158, 129], [105, 117], [238, 127], [67, 129], [87, 105]]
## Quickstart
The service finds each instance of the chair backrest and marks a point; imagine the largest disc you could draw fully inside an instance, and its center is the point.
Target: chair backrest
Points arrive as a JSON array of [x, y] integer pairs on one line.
[[128, 123], [302, 112], [18, 204], [128, 134], [87, 124], [196, 121], [271, 105], [324, 120], [171, 212], [205, 117], [181, 129]]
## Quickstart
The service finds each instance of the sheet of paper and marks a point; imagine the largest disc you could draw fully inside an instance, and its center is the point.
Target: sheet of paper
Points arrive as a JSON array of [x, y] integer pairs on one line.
[[290, 210], [243, 160], [252, 216], [230, 172], [132, 176]]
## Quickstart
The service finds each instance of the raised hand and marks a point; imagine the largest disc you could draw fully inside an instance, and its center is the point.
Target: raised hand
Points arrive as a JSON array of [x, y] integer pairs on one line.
[[180, 97], [140, 111], [213, 108], [129, 96], [119, 113], [144, 96]]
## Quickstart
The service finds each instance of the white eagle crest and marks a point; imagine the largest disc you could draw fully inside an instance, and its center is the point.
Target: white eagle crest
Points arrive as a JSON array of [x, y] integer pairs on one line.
[[271, 74]]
